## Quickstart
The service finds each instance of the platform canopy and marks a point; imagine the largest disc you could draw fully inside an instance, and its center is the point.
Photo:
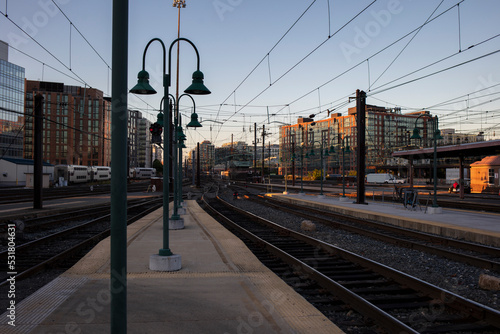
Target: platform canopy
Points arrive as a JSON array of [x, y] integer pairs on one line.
[[483, 148]]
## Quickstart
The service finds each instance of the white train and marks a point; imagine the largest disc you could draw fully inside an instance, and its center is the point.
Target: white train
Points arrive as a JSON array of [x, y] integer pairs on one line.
[[81, 174], [142, 173], [100, 173], [72, 173]]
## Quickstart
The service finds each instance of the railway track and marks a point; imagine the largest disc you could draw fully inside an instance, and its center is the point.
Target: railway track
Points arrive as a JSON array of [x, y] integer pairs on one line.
[[45, 223], [481, 256], [338, 281], [9, 196], [54, 249]]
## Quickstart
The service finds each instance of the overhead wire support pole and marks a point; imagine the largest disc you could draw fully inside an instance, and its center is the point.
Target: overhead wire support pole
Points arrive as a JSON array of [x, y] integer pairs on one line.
[[118, 277], [361, 145]]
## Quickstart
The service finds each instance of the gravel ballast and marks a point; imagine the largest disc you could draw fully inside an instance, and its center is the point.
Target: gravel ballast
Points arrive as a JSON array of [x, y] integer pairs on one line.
[[459, 278]]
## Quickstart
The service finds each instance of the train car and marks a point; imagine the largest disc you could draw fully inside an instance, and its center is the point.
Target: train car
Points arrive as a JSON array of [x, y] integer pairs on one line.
[[239, 166], [72, 173], [143, 173], [100, 173]]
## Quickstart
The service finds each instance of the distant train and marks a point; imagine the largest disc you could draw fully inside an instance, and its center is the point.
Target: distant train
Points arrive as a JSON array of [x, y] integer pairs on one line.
[[73, 174], [81, 174], [142, 173], [239, 166], [100, 173]]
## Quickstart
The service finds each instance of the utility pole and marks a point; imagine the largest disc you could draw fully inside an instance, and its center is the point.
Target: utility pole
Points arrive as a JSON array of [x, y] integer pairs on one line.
[[361, 149], [293, 164], [269, 158], [37, 154], [263, 138], [198, 166], [255, 148]]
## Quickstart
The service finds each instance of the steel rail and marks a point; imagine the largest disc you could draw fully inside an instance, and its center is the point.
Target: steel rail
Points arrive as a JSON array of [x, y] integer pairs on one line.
[[478, 311]]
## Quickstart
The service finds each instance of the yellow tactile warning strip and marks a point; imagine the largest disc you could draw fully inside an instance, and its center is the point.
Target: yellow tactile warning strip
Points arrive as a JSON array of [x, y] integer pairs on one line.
[[466, 233], [29, 313]]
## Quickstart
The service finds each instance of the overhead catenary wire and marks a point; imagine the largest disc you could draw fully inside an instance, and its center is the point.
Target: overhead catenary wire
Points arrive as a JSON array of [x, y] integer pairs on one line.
[[406, 45], [46, 50], [361, 62], [303, 58]]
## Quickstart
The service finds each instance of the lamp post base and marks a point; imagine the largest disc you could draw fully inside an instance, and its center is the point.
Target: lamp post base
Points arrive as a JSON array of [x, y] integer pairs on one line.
[[434, 210], [302, 193], [344, 199], [176, 224], [321, 196], [165, 263], [181, 211], [285, 193]]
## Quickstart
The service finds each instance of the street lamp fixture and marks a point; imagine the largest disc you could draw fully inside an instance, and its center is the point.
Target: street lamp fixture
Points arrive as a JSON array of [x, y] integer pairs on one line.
[[194, 121], [143, 87], [179, 138]]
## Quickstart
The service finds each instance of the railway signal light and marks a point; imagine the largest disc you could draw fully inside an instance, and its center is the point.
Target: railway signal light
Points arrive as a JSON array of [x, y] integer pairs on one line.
[[156, 130]]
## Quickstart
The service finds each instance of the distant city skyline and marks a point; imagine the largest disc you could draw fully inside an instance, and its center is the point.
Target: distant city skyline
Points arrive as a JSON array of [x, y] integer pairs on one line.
[[271, 62]]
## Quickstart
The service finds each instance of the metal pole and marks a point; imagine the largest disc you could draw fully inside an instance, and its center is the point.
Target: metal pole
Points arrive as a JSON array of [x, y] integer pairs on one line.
[[361, 127], [198, 166], [321, 169], [293, 164], [118, 277], [180, 170], [434, 201], [175, 214], [343, 167], [193, 160], [37, 154], [263, 149], [301, 169], [165, 251], [255, 148]]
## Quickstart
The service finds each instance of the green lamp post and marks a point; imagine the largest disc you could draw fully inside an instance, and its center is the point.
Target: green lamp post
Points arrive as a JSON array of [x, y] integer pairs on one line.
[[321, 195], [436, 135], [143, 87], [344, 146]]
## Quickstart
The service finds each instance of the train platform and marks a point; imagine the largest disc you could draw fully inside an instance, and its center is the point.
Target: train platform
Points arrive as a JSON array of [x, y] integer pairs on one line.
[[474, 226], [221, 288]]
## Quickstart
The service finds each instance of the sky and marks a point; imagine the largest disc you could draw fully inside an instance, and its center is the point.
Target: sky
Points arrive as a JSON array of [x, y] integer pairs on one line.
[[271, 62]]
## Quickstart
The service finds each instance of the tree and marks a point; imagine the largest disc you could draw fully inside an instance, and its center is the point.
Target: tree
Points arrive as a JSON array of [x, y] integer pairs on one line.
[[158, 166], [315, 174]]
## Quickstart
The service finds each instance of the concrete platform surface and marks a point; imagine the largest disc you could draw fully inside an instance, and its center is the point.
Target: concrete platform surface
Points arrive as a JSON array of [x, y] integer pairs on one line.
[[221, 288], [474, 226]]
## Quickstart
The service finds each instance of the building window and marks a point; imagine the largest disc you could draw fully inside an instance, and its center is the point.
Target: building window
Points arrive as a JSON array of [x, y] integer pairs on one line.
[[491, 174]]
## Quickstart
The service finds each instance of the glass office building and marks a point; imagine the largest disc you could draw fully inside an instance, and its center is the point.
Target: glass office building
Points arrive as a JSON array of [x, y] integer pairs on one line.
[[11, 106]]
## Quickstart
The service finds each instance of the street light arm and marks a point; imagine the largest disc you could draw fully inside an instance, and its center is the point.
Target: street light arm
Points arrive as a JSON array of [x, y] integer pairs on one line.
[[194, 103], [164, 54], [194, 47]]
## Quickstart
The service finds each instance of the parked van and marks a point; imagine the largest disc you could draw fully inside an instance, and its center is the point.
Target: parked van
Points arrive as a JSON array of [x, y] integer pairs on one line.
[[383, 178]]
